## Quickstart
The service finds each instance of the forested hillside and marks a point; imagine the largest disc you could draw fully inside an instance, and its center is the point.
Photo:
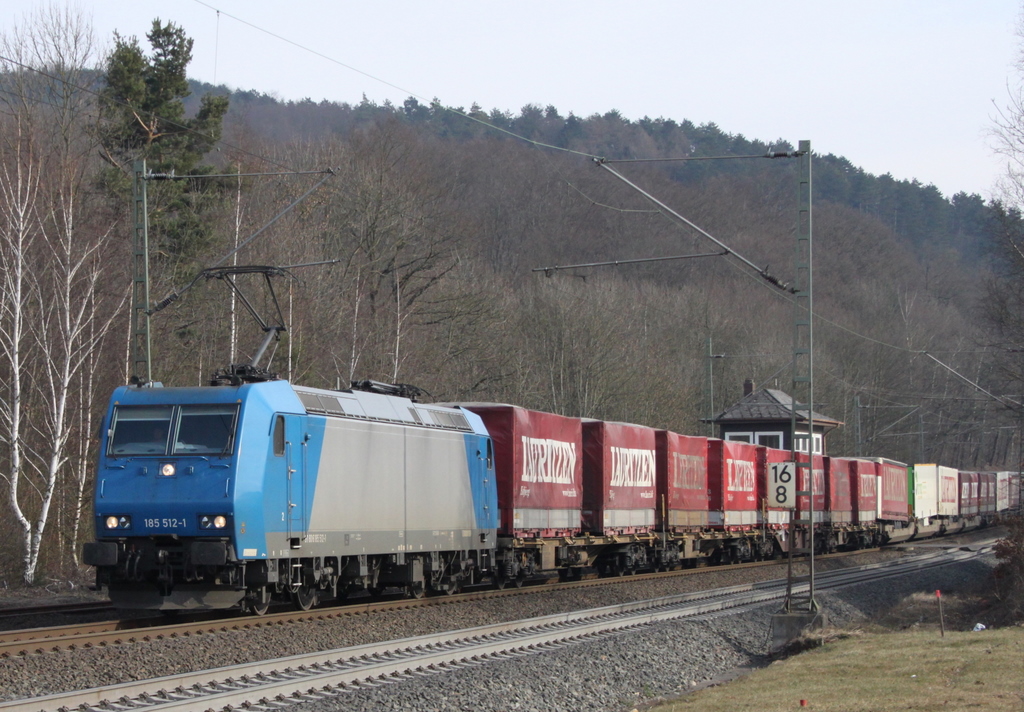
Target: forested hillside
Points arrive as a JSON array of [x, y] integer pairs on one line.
[[914, 211], [433, 223]]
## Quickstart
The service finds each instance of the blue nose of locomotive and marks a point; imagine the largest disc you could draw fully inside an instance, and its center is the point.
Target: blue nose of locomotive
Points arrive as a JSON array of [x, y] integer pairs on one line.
[[167, 463], [165, 498], [179, 496]]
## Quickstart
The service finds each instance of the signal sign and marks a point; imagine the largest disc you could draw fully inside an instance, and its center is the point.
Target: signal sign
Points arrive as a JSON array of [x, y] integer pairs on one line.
[[782, 485]]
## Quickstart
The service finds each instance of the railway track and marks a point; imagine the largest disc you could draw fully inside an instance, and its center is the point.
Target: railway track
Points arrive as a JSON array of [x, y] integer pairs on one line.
[[38, 641], [57, 608], [277, 683]]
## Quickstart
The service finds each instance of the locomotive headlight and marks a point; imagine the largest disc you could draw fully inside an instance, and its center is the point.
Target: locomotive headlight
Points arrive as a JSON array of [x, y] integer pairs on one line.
[[167, 469], [213, 521]]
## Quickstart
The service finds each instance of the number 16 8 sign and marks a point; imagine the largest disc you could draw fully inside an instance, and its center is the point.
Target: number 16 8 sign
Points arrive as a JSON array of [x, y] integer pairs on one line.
[[782, 485]]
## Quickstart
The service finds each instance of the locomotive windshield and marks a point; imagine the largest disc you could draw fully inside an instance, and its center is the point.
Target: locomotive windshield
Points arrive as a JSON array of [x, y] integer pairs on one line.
[[175, 430]]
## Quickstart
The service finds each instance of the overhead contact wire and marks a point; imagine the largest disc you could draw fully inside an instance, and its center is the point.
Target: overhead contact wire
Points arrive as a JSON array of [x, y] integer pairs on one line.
[[385, 82], [116, 102]]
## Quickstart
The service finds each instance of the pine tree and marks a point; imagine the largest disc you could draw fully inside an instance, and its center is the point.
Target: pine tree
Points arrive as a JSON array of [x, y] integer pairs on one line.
[[143, 117]]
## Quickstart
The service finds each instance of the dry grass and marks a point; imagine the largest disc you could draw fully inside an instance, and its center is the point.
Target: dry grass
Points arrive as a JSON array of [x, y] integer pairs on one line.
[[909, 670], [899, 662]]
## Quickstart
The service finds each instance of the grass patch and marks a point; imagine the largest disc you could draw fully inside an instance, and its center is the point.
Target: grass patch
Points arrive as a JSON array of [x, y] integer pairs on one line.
[[909, 670]]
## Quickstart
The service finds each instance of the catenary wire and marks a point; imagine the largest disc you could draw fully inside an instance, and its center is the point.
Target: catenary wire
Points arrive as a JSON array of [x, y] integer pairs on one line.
[[385, 82], [116, 102], [514, 135]]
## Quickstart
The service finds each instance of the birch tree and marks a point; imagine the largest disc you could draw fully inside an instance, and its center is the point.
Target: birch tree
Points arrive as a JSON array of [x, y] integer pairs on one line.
[[20, 173], [52, 252]]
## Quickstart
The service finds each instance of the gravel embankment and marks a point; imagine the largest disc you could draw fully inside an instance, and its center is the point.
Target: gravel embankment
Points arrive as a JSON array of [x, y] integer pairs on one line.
[[611, 674], [619, 673]]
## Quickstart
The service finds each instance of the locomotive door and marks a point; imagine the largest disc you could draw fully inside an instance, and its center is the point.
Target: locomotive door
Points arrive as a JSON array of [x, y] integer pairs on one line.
[[295, 473]]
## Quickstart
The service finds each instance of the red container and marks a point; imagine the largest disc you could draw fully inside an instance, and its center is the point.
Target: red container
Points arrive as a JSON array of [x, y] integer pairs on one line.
[[538, 469], [778, 517], [864, 481], [838, 490], [618, 478], [1002, 491], [986, 492], [968, 494], [894, 502], [682, 481], [803, 503], [732, 484]]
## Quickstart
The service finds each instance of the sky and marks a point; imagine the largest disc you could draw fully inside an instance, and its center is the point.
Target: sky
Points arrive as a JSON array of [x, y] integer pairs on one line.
[[907, 87]]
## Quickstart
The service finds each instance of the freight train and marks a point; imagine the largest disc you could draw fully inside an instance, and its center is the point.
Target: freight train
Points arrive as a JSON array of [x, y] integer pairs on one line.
[[241, 494]]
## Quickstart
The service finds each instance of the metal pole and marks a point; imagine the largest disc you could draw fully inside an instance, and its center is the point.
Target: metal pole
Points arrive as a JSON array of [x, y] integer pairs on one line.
[[856, 420], [805, 322], [711, 389], [920, 434], [803, 371], [142, 369]]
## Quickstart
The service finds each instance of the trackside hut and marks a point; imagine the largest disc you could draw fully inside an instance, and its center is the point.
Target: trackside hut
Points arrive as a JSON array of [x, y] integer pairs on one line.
[[765, 417]]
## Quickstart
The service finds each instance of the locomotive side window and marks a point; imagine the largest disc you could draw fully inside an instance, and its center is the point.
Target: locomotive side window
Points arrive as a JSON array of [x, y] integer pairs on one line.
[[205, 430], [279, 435], [140, 430]]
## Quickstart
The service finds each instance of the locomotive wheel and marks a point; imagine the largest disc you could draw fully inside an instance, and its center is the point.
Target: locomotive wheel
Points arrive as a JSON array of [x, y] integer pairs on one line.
[[415, 590], [259, 602], [305, 597], [518, 581]]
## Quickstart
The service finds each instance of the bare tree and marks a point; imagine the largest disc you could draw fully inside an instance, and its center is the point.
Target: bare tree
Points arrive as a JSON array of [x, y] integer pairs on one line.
[[54, 261], [20, 176]]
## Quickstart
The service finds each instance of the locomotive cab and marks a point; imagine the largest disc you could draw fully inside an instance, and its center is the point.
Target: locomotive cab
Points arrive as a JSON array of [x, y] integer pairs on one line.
[[164, 504]]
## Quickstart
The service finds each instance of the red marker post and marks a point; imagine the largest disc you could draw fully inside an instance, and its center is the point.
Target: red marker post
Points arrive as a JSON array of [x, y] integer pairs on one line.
[[942, 620]]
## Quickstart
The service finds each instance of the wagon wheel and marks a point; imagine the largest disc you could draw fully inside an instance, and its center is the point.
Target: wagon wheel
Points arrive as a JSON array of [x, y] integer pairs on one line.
[[257, 602], [519, 580], [305, 597]]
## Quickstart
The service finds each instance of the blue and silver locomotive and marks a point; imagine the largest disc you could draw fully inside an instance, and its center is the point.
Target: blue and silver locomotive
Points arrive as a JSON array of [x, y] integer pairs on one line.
[[214, 497]]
